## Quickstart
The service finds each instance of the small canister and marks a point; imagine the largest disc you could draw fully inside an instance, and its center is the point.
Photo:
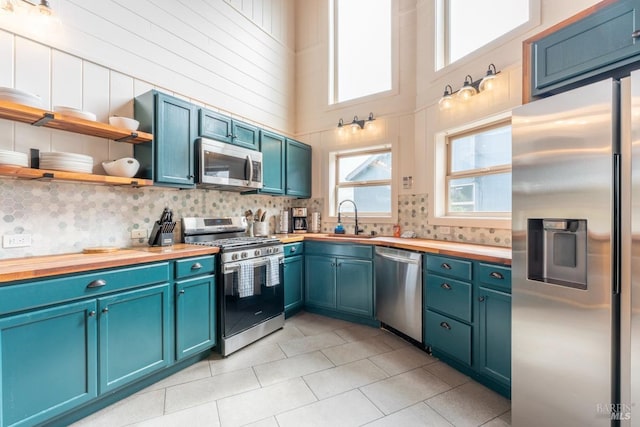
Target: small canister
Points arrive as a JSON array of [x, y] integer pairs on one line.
[[315, 222], [396, 230]]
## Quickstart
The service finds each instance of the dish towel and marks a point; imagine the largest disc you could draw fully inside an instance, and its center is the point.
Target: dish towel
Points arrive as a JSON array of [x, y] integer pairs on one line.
[[273, 271], [245, 279]]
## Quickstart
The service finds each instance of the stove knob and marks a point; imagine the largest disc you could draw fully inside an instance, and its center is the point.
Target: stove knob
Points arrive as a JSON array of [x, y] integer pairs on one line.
[[234, 257], [269, 251], [244, 255], [257, 252]]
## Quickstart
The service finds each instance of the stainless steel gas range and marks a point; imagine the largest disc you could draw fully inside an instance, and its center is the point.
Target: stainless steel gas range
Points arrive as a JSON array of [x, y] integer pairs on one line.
[[250, 279]]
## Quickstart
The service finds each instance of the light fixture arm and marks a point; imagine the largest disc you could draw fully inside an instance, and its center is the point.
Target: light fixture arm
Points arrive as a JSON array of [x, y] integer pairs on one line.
[[358, 122]]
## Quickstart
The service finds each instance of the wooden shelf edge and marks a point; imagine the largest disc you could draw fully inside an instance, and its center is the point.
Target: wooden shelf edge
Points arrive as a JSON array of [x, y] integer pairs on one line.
[[30, 115], [47, 174]]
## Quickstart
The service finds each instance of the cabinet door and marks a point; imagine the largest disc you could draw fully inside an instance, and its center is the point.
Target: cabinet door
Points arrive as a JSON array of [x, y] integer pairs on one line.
[[298, 169], [272, 147], [174, 141], [596, 44], [494, 328], [355, 286], [49, 362], [245, 135], [320, 281], [293, 284], [134, 335], [214, 125], [195, 316]]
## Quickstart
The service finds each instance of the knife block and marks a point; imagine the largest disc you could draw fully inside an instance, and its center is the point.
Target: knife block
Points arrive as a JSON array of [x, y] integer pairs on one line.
[[162, 234]]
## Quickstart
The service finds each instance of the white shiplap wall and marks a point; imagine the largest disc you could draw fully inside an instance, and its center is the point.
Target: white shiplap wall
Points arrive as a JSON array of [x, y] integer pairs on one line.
[[207, 51]]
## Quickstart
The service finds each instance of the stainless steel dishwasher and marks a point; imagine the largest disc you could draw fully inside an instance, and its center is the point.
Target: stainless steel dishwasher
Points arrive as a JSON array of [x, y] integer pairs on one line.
[[399, 290]]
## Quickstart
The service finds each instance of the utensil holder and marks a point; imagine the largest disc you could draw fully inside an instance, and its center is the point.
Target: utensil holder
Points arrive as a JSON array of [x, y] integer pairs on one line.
[[162, 234], [260, 228]]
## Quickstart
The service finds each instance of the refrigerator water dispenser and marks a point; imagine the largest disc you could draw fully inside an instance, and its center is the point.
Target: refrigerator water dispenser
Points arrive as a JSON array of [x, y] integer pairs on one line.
[[558, 251]]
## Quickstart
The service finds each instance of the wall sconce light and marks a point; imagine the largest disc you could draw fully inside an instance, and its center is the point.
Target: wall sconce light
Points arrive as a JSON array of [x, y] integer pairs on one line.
[[43, 8], [469, 88], [357, 124]]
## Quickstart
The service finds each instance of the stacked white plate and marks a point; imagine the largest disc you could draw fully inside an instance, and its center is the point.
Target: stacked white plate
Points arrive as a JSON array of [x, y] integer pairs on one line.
[[70, 162], [74, 112], [13, 158], [20, 97]]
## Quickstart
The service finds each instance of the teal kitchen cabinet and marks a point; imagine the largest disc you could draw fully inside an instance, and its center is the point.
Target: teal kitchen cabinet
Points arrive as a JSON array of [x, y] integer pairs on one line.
[[272, 147], [195, 302], [223, 128], [339, 280], [49, 362], [600, 42], [293, 278], [467, 317], [298, 169], [169, 158]]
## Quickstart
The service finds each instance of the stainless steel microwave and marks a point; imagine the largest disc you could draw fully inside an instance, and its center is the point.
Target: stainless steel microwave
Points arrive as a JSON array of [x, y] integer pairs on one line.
[[227, 167]]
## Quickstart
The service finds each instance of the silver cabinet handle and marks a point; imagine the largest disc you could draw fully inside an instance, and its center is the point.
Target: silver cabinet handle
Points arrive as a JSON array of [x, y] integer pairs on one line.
[[196, 266], [496, 275], [635, 34], [445, 325], [181, 292], [97, 283], [92, 313], [446, 286], [445, 266], [481, 299], [293, 249], [105, 310]]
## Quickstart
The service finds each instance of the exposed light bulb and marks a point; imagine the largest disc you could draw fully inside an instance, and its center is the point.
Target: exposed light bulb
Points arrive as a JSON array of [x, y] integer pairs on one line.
[[446, 102]]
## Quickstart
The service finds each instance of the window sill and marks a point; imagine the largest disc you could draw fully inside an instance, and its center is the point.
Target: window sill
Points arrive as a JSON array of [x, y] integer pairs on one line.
[[459, 221]]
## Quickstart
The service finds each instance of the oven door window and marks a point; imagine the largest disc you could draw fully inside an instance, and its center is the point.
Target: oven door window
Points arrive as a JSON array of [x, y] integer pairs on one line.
[[249, 303]]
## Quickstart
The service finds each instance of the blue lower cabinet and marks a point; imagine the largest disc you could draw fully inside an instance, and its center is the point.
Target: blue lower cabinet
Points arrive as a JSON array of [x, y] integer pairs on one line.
[[293, 284], [135, 335], [494, 330], [195, 316], [320, 281], [49, 360], [355, 286]]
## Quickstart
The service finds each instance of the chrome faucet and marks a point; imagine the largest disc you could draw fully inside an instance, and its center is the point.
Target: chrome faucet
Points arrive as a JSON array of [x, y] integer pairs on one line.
[[355, 208]]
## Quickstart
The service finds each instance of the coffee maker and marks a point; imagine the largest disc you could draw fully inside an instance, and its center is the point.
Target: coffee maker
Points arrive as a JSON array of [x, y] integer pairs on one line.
[[299, 220]]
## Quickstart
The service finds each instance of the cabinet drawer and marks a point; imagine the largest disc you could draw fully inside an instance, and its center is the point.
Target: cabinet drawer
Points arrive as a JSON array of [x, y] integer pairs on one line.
[[448, 335], [195, 266], [458, 268], [449, 296], [51, 291], [495, 276], [339, 249], [293, 249]]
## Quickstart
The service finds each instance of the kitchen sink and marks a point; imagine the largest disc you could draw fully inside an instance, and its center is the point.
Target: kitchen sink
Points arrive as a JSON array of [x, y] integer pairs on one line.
[[352, 236]]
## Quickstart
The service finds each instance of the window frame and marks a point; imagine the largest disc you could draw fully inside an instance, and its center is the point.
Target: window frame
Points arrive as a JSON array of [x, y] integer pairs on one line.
[[472, 173], [437, 205], [362, 184], [441, 28], [332, 89]]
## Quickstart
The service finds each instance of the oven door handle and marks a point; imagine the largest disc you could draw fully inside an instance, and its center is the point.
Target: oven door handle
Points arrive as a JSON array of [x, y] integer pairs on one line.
[[231, 266]]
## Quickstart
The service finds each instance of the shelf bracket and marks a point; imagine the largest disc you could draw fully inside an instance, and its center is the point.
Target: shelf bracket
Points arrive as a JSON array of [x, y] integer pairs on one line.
[[127, 138], [46, 176], [46, 118]]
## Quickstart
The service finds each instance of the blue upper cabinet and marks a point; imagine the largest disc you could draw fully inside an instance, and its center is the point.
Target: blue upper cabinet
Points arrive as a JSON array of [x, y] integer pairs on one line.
[[272, 147], [168, 160], [601, 41], [298, 169], [225, 129]]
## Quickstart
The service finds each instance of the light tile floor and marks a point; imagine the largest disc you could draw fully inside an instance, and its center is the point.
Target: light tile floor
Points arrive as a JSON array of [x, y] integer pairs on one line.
[[316, 371]]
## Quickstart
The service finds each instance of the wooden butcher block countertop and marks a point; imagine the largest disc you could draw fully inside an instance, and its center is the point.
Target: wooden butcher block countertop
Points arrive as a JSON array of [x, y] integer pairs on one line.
[[496, 254], [51, 265]]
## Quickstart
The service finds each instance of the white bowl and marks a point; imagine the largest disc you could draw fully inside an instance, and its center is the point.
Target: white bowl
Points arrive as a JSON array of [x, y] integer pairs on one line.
[[125, 167], [124, 122]]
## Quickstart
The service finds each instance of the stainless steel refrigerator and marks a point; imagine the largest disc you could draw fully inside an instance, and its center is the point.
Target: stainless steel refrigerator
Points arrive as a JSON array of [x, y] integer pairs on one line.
[[576, 265]]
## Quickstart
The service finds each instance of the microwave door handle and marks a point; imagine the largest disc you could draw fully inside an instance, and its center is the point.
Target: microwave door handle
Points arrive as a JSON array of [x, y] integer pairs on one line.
[[250, 168]]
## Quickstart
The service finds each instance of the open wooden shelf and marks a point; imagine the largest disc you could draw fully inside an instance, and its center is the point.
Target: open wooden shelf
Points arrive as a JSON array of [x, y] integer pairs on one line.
[[46, 174], [38, 117]]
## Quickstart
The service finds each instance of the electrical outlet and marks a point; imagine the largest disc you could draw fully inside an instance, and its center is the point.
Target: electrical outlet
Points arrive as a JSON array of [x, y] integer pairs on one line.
[[16, 240], [139, 234], [444, 230]]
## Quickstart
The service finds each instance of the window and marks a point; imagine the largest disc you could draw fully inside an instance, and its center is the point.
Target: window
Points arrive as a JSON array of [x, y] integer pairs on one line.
[[365, 178], [361, 58], [478, 177], [466, 25]]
